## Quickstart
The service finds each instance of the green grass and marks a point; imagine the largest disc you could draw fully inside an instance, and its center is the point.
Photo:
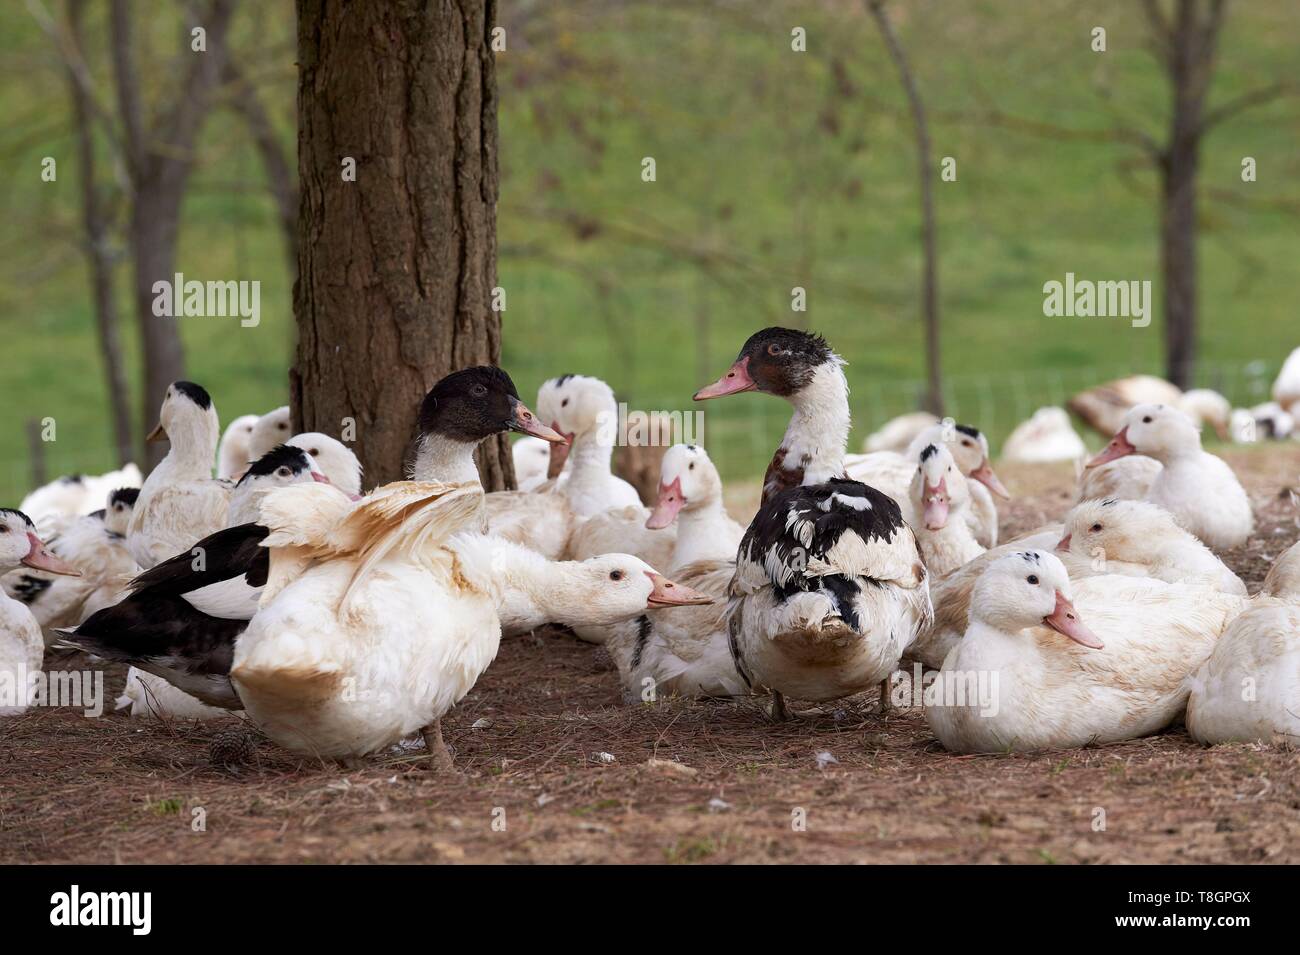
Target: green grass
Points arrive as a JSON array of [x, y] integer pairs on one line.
[[774, 169]]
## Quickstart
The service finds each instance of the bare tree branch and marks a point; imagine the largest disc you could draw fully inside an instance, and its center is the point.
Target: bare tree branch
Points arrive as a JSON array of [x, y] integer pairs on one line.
[[1249, 100]]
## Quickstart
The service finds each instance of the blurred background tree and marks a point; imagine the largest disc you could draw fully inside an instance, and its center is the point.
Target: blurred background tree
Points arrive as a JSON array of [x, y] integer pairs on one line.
[[775, 169]]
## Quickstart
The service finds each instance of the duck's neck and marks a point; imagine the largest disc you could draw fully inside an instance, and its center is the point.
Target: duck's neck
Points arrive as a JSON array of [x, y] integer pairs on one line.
[[704, 532], [193, 448], [949, 547], [443, 460], [589, 466], [812, 450], [528, 589], [990, 647]]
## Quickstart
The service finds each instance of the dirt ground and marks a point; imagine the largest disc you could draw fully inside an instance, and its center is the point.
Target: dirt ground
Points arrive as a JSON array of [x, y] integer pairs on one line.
[[555, 769]]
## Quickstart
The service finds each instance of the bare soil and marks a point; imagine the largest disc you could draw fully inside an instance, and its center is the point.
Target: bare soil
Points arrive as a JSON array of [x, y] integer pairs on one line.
[[555, 769]]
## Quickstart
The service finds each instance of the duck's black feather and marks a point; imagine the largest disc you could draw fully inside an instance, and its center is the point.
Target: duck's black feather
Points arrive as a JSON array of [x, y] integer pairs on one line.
[[229, 553]]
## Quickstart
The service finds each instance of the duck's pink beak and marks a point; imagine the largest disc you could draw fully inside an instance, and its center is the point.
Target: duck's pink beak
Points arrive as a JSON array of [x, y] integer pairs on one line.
[[735, 381], [38, 558], [670, 502], [1119, 447], [984, 474], [320, 478], [1064, 544], [525, 422], [935, 500], [1065, 620], [668, 594]]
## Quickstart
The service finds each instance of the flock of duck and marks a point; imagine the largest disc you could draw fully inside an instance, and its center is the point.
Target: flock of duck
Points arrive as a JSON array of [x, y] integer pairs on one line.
[[342, 623]]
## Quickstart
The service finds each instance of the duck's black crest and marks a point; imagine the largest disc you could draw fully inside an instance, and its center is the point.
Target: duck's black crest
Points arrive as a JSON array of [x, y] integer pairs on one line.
[[124, 495], [281, 456], [968, 430], [196, 393], [806, 345], [13, 510], [929, 451], [563, 378]]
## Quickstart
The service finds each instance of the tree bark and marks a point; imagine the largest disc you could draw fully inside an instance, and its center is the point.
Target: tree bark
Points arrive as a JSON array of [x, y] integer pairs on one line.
[[395, 269], [159, 161], [98, 254], [929, 243]]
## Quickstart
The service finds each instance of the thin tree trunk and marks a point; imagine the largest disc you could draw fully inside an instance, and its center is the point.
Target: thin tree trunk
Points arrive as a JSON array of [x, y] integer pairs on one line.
[[159, 161], [98, 255], [396, 269], [929, 243]]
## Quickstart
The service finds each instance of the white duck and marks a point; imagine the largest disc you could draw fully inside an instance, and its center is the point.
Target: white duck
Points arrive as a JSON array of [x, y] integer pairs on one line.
[[233, 454], [1046, 436], [940, 494], [180, 501], [1139, 539], [1199, 489], [52, 505], [897, 434], [892, 474], [1286, 390], [94, 545], [332, 458], [829, 586], [1066, 665], [22, 649], [1123, 479], [1207, 407], [687, 652], [1249, 689], [393, 621], [272, 428]]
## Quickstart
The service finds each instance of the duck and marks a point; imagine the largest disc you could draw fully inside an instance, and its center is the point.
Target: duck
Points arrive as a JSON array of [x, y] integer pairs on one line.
[[95, 546], [940, 495], [1197, 488], [1207, 407], [1046, 436], [333, 459], [1069, 664], [1286, 389], [897, 434], [1103, 407], [1272, 421], [532, 457], [271, 429], [829, 587], [1249, 688], [180, 619], [52, 505], [1141, 539], [393, 615], [233, 454], [586, 414], [892, 473], [1128, 478], [180, 501], [687, 652], [22, 648]]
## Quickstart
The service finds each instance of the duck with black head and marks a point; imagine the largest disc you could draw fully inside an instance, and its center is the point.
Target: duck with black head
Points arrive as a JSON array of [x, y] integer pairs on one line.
[[830, 587], [180, 501]]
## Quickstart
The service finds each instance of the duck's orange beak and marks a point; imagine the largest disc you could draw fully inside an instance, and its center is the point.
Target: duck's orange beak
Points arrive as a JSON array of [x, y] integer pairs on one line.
[[38, 558], [670, 502], [668, 594], [1119, 447], [1064, 619]]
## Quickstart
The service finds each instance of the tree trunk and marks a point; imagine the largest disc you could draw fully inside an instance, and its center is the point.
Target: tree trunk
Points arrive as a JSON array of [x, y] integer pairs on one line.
[[395, 269], [929, 244], [98, 255]]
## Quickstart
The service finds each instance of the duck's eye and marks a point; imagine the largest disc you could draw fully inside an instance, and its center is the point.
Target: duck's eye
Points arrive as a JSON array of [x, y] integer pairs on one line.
[[1033, 579], [4, 528], [478, 391], [616, 575], [284, 472], [564, 403], [1095, 527], [1146, 420], [692, 467], [284, 427], [965, 443], [313, 452], [774, 349]]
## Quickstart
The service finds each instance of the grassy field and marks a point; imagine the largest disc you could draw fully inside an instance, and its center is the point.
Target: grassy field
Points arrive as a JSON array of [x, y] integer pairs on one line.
[[774, 169]]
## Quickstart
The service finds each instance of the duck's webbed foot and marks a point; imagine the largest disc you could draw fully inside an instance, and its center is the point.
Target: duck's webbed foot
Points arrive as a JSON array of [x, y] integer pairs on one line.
[[777, 712], [439, 754]]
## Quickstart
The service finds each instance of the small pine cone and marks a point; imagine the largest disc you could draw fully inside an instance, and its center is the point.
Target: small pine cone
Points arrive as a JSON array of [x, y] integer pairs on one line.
[[233, 747]]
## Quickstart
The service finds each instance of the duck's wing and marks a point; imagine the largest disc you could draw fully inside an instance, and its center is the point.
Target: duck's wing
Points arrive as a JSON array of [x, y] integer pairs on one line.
[[222, 575], [165, 636]]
